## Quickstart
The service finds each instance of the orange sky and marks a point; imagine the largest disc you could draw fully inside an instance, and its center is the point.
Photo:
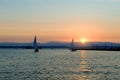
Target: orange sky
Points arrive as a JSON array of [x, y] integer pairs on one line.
[[53, 32], [60, 20]]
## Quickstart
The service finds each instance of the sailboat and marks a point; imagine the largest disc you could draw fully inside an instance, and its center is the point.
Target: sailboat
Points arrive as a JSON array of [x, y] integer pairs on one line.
[[36, 49], [72, 46]]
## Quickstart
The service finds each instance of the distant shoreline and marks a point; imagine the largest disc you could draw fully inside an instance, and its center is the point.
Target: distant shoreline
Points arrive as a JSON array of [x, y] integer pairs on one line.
[[101, 46]]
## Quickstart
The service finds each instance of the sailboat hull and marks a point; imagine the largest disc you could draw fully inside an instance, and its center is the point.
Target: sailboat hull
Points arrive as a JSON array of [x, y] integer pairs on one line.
[[36, 50]]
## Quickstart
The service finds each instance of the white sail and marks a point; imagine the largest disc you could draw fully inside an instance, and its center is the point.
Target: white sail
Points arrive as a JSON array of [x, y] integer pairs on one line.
[[35, 45], [72, 46]]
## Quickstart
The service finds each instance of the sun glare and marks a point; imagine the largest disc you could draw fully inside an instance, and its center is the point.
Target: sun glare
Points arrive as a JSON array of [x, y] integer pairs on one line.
[[83, 40]]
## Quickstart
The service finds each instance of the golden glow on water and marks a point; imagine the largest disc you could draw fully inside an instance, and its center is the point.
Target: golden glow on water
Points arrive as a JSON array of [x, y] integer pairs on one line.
[[83, 64], [84, 68]]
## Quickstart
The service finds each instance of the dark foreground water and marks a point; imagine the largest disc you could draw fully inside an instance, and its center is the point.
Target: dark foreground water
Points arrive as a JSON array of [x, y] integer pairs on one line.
[[22, 64]]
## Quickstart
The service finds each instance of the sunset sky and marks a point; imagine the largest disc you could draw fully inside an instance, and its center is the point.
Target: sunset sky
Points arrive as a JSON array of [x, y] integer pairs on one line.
[[59, 20]]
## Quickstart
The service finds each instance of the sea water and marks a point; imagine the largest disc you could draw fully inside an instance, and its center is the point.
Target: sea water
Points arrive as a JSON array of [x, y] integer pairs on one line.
[[59, 64]]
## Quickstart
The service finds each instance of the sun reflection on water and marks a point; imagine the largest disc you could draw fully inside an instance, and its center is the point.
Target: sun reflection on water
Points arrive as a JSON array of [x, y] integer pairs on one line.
[[84, 67]]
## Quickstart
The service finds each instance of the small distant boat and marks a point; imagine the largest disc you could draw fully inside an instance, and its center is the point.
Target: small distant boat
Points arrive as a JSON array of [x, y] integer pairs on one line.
[[72, 46], [36, 49]]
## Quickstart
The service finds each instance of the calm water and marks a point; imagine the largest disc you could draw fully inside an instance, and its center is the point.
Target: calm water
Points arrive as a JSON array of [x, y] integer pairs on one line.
[[22, 64]]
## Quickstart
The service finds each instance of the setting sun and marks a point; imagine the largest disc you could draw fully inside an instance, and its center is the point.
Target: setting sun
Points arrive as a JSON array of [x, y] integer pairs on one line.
[[83, 40]]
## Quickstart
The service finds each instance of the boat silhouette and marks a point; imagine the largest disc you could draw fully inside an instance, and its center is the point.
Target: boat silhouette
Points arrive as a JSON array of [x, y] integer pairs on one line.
[[36, 49], [72, 46]]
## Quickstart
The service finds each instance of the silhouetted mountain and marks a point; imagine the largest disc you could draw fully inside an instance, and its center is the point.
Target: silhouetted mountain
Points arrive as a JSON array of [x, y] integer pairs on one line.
[[59, 45]]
